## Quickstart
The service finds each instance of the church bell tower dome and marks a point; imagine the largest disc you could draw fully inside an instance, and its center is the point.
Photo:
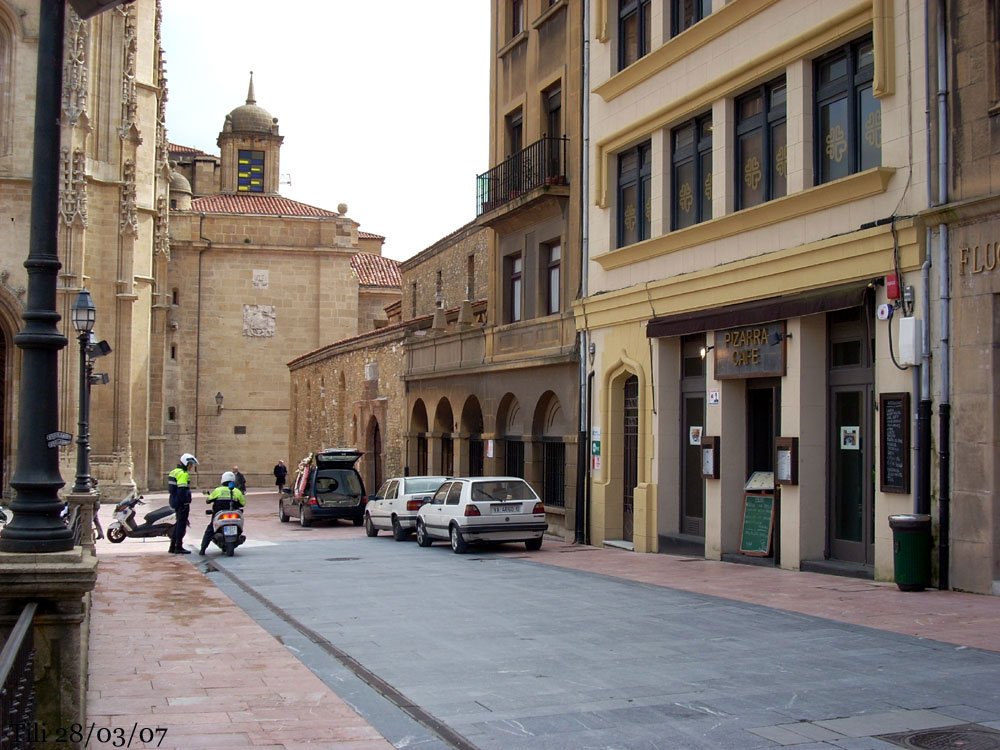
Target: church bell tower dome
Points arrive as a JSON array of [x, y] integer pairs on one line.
[[249, 149]]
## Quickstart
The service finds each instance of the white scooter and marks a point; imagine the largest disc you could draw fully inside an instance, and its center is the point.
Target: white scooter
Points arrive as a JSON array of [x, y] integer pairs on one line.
[[159, 522], [227, 527]]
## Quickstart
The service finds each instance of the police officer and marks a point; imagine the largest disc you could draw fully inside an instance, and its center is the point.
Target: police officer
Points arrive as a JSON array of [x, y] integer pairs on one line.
[[226, 496], [179, 487]]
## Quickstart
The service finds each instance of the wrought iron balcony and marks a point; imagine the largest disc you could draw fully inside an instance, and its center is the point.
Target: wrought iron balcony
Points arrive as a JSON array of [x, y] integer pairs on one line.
[[541, 163]]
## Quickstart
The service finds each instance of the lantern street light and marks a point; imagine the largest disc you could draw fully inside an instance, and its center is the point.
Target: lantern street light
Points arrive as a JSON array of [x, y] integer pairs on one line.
[[218, 402], [84, 316]]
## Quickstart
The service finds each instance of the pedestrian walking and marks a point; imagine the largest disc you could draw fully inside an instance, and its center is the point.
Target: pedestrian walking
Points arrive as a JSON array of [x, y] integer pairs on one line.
[[280, 474], [179, 487], [241, 481]]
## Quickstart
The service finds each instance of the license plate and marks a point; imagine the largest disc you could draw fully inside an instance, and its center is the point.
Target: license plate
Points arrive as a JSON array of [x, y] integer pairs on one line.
[[229, 530], [514, 508]]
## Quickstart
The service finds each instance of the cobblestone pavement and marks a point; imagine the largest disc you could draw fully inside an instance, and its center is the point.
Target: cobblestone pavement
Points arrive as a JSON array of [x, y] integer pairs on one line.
[[170, 648]]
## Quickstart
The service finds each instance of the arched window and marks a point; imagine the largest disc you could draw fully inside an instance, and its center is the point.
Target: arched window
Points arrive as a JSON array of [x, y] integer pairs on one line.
[[6, 85]]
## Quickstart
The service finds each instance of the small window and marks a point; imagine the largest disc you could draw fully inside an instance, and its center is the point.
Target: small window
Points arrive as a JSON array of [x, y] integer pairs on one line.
[[514, 269], [413, 300], [634, 27], [174, 297], [171, 414], [691, 183], [634, 209], [515, 132], [441, 493], [848, 116], [173, 203], [240, 429], [173, 351], [470, 277], [454, 494], [686, 13], [553, 254], [439, 290], [250, 172], [516, 17]]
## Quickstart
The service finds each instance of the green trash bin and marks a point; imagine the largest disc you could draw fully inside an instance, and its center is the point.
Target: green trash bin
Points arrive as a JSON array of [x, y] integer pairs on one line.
[[911, 546]]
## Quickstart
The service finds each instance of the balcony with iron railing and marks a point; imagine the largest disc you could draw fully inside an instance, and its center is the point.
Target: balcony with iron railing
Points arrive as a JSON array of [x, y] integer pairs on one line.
[[540, 165]]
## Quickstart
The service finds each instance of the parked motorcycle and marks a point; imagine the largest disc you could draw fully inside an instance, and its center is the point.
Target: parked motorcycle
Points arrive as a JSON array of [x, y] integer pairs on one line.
[[159, 522], [227, 527]]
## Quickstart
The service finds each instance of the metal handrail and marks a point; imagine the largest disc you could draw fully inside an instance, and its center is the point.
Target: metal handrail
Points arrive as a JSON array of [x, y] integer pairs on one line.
[[17, 683], [541, 163]]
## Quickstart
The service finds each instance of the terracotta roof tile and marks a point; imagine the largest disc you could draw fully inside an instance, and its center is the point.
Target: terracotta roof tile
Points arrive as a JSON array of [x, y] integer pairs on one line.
[[261, 205], [369, 236], [178, 150], [376, 270]]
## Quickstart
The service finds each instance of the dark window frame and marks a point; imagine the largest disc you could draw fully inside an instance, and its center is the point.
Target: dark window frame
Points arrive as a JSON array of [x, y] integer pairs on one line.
[[516, 17], [694, 154], [639, 177], [850, 87], [639, 11], [514, 281], [678, 24], [767, 120], [553, 276]]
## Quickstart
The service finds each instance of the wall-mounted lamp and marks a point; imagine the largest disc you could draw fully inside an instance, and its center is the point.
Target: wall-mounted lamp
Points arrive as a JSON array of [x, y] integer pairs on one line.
[[777, 337], [592, 350], [705, 350], [218, 403]]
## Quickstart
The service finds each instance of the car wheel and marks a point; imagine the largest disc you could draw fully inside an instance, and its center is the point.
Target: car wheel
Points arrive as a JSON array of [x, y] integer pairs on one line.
[[370, 529], [422, 539], [304, 519], [533, 544], [282, 516], [458, 544], [398, 532]]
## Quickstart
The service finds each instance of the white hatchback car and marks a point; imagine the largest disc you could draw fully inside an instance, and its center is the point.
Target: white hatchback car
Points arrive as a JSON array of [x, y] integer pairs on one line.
[[395, 505], [482, 509]]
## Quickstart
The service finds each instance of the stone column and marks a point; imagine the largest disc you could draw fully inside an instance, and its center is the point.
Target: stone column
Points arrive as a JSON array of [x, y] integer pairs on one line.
[[60, 582]]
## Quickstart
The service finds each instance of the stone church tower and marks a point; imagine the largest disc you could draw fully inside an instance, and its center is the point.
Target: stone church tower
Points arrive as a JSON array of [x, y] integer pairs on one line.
[[255, 280]]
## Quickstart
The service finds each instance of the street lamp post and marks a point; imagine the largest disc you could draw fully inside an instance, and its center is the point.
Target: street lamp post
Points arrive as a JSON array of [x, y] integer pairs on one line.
[[84, 316]]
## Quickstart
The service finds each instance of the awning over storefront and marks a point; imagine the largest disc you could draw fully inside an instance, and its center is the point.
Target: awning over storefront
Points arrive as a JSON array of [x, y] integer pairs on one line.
[[812, 302]]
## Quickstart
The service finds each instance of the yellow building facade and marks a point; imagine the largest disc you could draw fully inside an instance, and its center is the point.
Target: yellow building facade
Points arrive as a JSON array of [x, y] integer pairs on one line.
[[753, 202]]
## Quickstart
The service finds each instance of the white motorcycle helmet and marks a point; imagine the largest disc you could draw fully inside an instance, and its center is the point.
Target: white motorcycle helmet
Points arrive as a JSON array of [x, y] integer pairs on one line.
[[187, 458], [227, 477]]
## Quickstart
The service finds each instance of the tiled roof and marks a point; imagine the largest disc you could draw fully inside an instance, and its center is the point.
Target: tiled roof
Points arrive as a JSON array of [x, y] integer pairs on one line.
[[376, 270], [178, 150], [260, 205], [369, 236]]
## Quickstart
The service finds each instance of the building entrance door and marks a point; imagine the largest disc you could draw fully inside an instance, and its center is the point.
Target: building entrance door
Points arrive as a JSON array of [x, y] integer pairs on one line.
[[692, 420], [851, 460], [630, 462], [763, 405]]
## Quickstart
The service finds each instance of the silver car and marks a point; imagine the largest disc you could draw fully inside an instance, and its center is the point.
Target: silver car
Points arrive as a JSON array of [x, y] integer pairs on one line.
[[395, 505], [482, 509]]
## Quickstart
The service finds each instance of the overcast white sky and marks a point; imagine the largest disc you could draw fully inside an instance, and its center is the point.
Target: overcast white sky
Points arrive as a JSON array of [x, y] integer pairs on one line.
[[384, 106]]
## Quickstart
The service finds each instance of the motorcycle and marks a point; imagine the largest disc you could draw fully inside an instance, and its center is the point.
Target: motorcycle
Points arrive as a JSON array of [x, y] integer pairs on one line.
[[227, 527], [159, 522]]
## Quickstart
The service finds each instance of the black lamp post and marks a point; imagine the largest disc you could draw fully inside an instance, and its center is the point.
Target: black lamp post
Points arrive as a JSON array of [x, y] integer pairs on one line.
[[84, 316]]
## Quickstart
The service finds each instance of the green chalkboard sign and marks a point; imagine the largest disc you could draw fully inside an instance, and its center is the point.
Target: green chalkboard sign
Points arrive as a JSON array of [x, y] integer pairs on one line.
[[758, 525]]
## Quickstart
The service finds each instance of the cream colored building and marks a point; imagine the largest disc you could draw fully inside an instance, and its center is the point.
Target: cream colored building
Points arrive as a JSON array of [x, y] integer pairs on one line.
[[112, 224], [756, 171], [255, 280]]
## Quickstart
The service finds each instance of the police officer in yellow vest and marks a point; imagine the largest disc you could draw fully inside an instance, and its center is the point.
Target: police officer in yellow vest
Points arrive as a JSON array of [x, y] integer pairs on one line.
[[226, 496], [179, 487]]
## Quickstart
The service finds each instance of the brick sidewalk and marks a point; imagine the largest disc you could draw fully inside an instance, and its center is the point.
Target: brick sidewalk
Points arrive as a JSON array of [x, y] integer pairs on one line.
[[169, 650]]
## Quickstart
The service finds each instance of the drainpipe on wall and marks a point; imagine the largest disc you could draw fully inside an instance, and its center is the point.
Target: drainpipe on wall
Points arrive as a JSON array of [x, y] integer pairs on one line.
[[582, 461], [197, 361], [944, 273]]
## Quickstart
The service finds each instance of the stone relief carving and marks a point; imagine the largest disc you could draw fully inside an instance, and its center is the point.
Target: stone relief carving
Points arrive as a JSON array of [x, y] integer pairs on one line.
[[76, 73], [162, 240], [258, 320], [130, 101], [261, 279], [162, 145], [17, 291], [128, 215], [73, 191]]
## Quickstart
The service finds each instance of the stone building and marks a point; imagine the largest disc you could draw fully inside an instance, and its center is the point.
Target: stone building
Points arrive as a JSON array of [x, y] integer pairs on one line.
[[964, 240], [255, 280], [112, 224], [352, 393], [754, 204], [503, 398]]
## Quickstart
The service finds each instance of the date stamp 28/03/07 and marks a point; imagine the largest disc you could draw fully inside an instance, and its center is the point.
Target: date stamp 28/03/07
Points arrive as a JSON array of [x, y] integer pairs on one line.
[[90, 735]]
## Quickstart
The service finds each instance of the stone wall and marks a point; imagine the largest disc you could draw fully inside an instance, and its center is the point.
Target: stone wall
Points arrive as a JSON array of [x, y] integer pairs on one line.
[[448, 257]]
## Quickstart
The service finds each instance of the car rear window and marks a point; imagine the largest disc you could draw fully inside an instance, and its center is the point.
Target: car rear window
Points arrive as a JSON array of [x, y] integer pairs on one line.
[[338, 481], [422, 484], [502, 490]]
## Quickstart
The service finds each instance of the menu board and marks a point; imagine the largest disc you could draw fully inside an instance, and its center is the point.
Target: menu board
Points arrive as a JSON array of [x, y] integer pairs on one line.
[[758, 524], [894, 442]]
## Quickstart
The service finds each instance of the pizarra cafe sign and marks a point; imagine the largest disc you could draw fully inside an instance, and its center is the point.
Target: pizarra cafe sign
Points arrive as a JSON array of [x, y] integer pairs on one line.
[[750, 351]]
